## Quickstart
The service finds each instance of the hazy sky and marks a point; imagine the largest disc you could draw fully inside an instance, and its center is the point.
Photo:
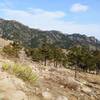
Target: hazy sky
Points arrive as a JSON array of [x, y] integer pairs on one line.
[[68, 16]]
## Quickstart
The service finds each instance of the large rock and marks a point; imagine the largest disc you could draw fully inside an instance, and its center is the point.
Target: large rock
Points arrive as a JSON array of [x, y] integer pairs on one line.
[[10, 87], [19, 84], [13, 95], [6, 84], [17, 95], [10, 82]]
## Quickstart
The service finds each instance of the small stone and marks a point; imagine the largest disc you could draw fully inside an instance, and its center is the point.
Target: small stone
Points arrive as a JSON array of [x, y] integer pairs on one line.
[[47, 89], [62, 98], [62, 86], [37, 91], [47, 95]]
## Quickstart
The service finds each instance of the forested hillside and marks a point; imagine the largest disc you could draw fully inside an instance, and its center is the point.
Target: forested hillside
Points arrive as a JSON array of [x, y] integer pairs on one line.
[[29, 37]]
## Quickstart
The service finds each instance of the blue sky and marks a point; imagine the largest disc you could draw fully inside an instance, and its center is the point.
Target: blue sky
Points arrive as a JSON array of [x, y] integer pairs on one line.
[[68, 16]]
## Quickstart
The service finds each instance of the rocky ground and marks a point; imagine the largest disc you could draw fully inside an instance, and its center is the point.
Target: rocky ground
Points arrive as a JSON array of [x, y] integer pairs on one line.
[[52, 84]]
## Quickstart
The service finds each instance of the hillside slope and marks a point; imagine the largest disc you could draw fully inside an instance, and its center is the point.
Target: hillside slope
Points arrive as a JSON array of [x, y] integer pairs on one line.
[[52, 84], [29, 37]]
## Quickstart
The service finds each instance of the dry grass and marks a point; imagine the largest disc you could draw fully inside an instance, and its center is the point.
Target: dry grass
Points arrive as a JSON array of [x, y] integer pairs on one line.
[[21, 71]]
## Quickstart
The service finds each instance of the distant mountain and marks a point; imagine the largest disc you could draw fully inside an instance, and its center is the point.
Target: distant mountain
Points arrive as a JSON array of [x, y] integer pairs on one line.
[[13, 30]]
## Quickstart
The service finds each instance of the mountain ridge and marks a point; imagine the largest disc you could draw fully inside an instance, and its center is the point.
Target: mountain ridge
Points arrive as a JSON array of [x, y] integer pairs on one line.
[[30, 37]]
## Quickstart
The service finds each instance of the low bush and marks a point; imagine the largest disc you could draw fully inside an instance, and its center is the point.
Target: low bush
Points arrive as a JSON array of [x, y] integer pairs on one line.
[[5, 67], [23, 72], [12, 49]]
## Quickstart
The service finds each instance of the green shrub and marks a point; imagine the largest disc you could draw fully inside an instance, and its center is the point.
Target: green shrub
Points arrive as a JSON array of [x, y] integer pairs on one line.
[[23, 72], [5, 67]]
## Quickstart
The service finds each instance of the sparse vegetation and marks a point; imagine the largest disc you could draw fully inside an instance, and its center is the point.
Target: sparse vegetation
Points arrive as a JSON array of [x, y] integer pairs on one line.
[[47, 52], [78, 57], [21, 71], [12, 49], [5, 67]]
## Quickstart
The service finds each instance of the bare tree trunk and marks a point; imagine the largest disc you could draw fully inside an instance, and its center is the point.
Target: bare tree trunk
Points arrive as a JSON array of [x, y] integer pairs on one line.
[[45, 61], [56, 64], [75, 71]]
